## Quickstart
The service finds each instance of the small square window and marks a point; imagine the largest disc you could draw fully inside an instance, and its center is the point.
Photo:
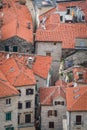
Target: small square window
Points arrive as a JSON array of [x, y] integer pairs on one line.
[[6, 48], [80, 76], [8, 101], [29, 91], [51, 124], [48, 53], [15, 49]]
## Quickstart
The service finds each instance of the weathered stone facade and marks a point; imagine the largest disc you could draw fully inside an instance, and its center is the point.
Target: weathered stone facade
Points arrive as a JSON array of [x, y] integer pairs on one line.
[[53, 49], [4, 108], [23, 98], [61, 111], [16, 44], [71, 120]]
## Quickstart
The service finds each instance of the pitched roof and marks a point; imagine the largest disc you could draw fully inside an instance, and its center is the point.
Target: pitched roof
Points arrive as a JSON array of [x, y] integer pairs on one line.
[[76, 98], [48, 94], [64, 32], [42, 66], [7, 90], [16, 67], [16, 74], [17, 21]]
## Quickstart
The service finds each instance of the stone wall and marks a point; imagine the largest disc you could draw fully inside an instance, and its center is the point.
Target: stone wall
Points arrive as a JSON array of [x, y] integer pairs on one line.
[[72, 119], [6, 108], [23, 98], [61, 111], [55, 49], [22, 45]]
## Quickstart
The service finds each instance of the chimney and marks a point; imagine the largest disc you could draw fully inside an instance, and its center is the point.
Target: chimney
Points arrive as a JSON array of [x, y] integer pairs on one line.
[[30, 62]]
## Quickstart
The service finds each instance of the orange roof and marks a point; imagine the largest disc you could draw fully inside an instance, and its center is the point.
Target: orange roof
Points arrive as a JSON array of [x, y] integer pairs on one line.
[[42, 66], [15, 67], [48, 94], [15, 72], [76, 98], [7, 90], [64, 32], [16, 21], [61, 83]]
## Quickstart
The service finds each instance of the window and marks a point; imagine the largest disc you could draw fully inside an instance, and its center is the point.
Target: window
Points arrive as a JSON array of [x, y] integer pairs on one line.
[[8, 116], [29, 91], [80, 76], [19, 105], [61, 18], [8, 101], [15, 49], [51, 124], [6, 48], [9, 128], [59, 102], [18, 118], [52, 113], [55, 43], [27, 118], [48, 53], [68, 11], [19, 92], [28, 104], [78, 120]]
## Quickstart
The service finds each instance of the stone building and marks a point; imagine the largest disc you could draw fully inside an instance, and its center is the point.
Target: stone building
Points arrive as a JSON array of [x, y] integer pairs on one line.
[[16, 33], [58, 35], [76, 108], [23, 80], [53, 107], [8, 105]]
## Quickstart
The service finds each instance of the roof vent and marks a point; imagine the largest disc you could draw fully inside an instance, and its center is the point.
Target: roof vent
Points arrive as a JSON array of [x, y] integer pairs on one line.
[[76, 90], [78, 95], [12, 69]]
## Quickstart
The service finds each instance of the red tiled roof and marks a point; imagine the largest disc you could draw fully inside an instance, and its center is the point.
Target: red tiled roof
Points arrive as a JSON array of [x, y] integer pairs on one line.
[[16, 68], [61, 83], [76, 98], [16, 74], [15, 22], [7, 90], [42, 66], [48, 94], [65, 32]]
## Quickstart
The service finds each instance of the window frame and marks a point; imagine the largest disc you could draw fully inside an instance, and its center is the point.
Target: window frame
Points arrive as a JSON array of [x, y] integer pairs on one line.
[[51, 124], [8, 101], [8, 117], [28, 104]]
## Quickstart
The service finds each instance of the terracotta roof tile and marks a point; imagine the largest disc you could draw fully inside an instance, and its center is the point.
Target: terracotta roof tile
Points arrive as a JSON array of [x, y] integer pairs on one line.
[[16, 66], [65, 32], [16, 23], [75, 98], [7, 90], [48, 94], [42, 66], [14, 73]]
